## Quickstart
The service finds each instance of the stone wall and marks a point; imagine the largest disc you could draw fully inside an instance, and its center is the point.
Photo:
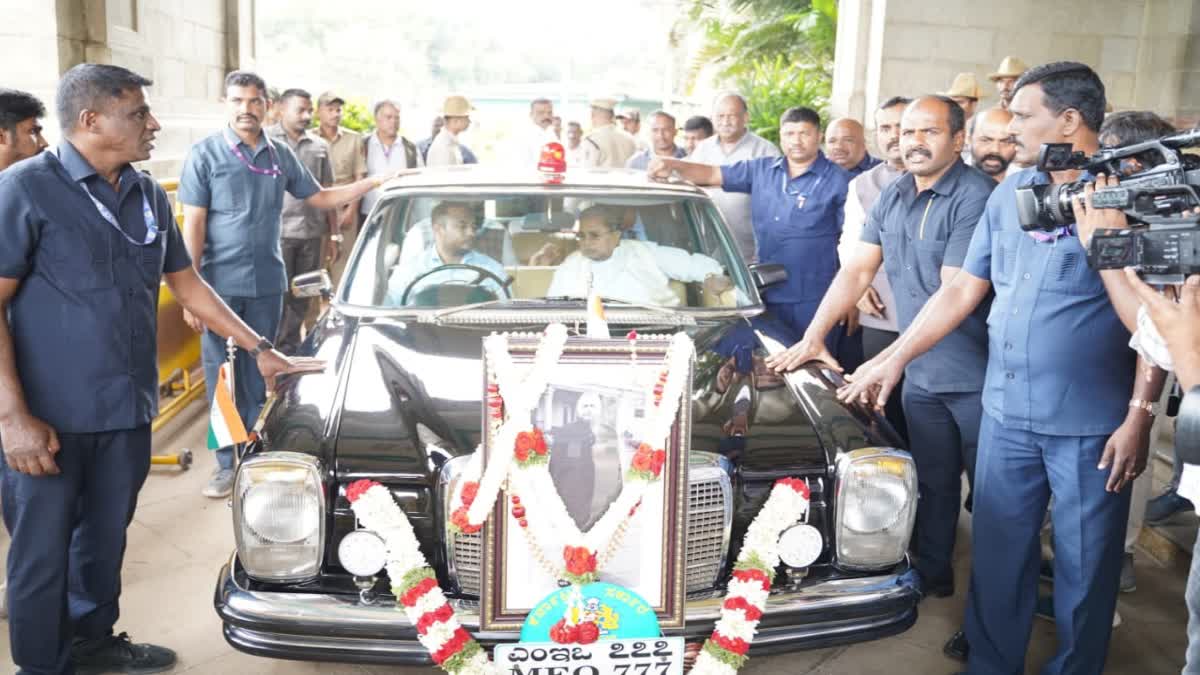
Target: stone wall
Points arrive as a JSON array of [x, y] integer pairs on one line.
[[1147, 51], [185, 46]]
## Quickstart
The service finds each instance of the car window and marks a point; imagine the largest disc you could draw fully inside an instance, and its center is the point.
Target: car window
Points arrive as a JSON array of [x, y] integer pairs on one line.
[[436, 251]]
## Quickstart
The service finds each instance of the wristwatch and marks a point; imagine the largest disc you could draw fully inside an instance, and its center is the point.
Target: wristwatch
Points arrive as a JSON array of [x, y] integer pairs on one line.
[[264, 345], [1150, 407]]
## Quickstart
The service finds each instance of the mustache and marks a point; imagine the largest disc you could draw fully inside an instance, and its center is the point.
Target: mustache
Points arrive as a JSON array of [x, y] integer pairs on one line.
[[247, 116], [918, 151], [893, 145]]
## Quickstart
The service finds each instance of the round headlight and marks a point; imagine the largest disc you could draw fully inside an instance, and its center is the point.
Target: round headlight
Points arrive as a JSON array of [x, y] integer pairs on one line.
[[800, 545], [281, 512], [876, 502], [362, 553]]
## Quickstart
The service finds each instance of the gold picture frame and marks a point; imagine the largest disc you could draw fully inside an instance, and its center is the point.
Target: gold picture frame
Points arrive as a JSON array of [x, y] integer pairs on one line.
[[587, 412]]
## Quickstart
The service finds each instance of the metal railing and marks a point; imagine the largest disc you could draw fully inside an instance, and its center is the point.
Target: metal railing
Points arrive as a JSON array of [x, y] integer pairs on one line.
[[180, 376]]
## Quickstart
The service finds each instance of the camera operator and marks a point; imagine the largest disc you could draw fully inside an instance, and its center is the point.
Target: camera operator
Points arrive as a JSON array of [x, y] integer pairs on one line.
[[1058, 417], [1178, 324]]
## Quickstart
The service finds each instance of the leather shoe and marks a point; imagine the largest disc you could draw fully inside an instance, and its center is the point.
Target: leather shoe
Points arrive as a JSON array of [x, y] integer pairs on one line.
[[956, 647]]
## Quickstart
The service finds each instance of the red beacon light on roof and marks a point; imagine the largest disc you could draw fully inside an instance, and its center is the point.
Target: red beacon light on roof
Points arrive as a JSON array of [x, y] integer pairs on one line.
[[553, 162]]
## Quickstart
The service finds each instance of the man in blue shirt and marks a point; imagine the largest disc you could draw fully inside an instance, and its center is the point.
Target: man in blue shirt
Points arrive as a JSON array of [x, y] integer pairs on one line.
[[232, 190], [919, 230], [662, 142], [1058, 415], [87, 241], [796, 204], [454, 229], [20, 127]]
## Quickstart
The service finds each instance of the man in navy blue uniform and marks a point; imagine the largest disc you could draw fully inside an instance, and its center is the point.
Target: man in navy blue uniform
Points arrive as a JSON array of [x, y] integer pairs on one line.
[[796, 204], [87, 240], [232, 189], [919, 231], [1063, 413]]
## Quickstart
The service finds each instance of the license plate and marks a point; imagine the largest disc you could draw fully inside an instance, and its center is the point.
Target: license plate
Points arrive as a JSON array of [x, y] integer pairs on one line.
[[655, 656]]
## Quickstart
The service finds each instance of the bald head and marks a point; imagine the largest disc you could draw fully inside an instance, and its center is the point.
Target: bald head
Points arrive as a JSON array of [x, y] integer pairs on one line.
[[992, 146], [844, 142]]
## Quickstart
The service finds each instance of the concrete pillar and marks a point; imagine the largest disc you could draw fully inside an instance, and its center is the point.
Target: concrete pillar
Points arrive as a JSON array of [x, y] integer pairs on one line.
[[1146, 51]]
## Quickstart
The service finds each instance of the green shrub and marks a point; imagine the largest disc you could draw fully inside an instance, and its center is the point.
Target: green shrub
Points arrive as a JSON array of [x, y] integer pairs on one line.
[[771, 86], [356, 116]]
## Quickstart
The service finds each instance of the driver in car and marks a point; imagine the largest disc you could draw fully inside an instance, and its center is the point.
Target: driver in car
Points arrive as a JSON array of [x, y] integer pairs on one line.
[[629, 269], [454, 230]]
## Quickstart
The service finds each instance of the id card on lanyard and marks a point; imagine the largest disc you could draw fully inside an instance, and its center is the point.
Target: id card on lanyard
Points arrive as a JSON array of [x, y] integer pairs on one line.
[[801, 197], [152, 231]]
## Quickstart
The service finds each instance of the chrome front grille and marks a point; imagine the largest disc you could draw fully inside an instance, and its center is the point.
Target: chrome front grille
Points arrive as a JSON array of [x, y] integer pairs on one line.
[[710, 513], [467, 561], [710, 505]]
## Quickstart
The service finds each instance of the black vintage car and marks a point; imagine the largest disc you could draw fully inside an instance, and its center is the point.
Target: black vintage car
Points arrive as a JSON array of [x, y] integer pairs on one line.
[[400, 403]]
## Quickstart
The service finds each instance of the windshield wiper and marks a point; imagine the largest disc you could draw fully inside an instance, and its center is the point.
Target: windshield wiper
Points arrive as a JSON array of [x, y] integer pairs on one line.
[[438, 315], [443, 313], [629, 303]]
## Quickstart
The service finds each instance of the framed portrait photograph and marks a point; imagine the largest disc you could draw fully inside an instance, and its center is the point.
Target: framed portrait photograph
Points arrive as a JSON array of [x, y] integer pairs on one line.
[[592, 413]]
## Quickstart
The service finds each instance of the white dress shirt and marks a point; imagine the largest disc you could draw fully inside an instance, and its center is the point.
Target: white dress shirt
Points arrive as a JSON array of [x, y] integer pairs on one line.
[[382, 161], [637, 271], [444, 151]]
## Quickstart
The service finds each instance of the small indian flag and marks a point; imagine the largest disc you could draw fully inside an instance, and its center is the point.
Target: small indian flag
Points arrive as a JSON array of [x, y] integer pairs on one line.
[[597, 326], [225, 426]]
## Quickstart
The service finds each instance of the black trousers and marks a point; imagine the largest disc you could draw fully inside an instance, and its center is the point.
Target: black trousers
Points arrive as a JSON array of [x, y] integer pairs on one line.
[[68, 543], [875, 341], [299, 256]]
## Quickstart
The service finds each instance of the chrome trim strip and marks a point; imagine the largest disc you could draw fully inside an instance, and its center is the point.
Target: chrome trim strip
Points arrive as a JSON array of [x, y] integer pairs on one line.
[[333, 616]]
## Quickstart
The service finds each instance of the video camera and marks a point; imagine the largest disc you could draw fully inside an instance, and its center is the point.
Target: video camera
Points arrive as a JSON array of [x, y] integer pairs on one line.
[[1158, 189]]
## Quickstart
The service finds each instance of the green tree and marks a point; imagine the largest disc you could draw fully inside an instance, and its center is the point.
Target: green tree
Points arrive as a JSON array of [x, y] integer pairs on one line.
[[778, 53], [355, 116], [774, 85]]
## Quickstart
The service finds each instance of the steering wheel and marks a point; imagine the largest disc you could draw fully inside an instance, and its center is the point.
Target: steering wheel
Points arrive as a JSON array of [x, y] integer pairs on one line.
[[481, 275]]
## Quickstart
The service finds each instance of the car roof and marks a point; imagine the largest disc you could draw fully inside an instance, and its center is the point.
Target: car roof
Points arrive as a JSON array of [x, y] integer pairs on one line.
[[494, 176]]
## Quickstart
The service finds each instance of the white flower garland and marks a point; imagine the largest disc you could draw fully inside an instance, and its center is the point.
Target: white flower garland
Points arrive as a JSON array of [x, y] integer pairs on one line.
[[543, 506], [746, 596], [520, 398], [545, 509], [452, 647], [438, 630]]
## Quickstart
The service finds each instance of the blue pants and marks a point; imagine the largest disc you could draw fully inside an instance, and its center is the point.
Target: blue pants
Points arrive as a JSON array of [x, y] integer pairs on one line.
[[797, 316], [250, 391], [943, 430], [1015, 474], [68, 542]]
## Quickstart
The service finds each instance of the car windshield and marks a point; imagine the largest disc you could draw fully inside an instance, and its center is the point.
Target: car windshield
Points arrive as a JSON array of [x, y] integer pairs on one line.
[[449, 250]]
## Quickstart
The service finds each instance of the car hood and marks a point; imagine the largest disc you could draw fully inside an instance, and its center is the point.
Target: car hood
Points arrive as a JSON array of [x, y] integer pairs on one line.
[[400, 397]]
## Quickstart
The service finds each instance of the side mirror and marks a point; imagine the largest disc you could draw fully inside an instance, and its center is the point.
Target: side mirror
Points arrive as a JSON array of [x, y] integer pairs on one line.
[[312, 285], [766, 274]]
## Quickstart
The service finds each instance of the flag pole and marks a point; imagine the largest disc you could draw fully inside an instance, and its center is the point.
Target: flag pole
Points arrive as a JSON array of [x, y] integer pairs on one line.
[[231, 359]]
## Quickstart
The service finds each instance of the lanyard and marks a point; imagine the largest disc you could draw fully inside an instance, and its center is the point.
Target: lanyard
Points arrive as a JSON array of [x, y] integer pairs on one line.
[[387, 151], [800, 197], [152, 230], [273, 172]]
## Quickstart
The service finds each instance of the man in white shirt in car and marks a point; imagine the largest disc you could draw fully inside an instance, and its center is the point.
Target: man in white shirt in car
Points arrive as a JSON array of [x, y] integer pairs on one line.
[[627, 269], [454, 231]]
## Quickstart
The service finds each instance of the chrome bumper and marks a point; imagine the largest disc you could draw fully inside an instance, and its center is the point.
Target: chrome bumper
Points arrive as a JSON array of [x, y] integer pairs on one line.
[[321, 627]]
